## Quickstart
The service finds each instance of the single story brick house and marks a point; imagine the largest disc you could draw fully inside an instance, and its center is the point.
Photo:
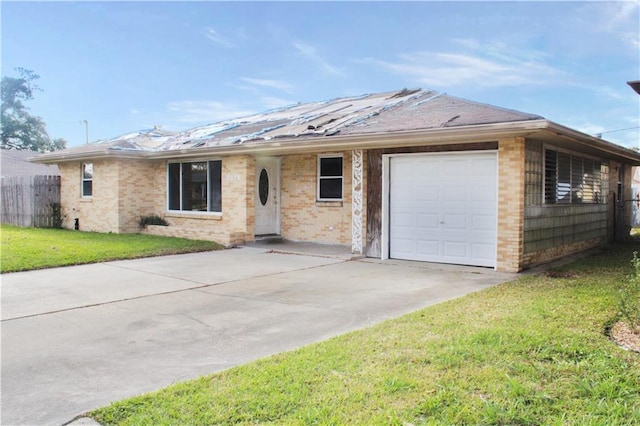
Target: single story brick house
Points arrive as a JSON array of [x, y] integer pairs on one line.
[[415, 175]]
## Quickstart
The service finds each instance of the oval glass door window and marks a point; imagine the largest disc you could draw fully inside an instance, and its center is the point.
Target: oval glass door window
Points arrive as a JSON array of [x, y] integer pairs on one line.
[[263, 187]]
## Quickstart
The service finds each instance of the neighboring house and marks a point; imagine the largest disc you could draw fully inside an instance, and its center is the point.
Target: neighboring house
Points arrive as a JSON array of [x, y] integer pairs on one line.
[[415, 175], [29, 192], [16, 163]]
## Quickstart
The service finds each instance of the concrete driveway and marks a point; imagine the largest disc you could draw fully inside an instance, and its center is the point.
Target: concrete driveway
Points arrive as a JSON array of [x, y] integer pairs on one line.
[[78, 338]]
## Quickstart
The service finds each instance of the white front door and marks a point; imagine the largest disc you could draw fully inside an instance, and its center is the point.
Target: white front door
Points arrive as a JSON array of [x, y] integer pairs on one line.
[[443, 208], [267, 196]]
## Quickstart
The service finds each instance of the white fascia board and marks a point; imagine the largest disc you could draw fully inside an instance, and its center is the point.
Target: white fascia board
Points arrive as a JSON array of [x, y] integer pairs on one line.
[[444, 135], [61, 157], [594, 142]]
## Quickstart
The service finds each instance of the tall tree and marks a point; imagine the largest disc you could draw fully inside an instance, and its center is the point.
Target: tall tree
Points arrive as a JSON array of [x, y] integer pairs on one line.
[[58, 143], [19, 129]]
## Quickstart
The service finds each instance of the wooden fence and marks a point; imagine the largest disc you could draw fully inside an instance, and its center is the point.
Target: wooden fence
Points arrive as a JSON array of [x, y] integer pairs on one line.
[[635, 207], [30, 201]]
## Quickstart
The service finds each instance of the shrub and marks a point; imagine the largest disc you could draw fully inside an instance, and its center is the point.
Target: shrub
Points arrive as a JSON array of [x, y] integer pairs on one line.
[[629, 297], [56, 215], [152, 219]]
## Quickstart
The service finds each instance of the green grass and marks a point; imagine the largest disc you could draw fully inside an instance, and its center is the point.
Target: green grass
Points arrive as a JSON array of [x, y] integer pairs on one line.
[[35, 248], [530, 352]]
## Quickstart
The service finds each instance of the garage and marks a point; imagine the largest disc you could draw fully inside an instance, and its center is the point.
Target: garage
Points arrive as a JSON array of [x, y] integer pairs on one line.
[[443, 207]]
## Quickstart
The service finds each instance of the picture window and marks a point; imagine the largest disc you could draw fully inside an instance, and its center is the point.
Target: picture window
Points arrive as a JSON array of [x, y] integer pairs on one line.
[[195, 186]]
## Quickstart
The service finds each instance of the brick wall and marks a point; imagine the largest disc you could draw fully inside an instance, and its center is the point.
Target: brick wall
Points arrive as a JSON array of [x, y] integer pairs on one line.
[[547, 255], [238, 197], [236, 222], [510, 204], [136, 193], [124, 190], [302, 217], [557, 230], [98, 213], [69, 192]]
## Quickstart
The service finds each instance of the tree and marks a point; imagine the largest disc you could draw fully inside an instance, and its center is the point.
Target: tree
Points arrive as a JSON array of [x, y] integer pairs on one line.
[[58, 144], [19, 129]]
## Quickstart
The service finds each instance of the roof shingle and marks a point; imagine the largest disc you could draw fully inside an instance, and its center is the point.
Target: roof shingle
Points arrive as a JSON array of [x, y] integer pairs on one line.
[[387, 112]]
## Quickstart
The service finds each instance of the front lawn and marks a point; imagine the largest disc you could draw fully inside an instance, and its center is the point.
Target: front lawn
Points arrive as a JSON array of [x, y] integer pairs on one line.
[[530, 352], [35, 248]]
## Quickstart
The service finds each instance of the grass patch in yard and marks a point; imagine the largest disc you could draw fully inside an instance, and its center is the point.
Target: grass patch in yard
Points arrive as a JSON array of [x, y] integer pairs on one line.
[[36, 248], [528, 352]]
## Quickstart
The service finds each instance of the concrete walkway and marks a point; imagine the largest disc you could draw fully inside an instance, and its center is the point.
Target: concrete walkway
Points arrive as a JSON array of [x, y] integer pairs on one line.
[[77, 338]]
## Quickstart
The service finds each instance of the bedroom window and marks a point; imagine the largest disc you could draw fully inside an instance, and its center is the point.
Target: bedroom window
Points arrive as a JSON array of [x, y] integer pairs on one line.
[[195, 186], [330, 178], [573, 179], [87, 179]]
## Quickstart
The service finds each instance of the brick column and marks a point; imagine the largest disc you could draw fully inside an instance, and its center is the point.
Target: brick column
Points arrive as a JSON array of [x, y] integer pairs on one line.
[[356, 201], [511, 161], [238, 198]]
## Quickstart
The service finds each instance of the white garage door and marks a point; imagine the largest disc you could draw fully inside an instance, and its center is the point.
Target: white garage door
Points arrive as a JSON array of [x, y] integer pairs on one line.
[[443, 208]]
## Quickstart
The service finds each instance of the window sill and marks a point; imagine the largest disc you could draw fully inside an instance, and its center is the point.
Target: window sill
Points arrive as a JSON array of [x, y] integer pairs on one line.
[[86, 200], [195, 215], [327, 203]]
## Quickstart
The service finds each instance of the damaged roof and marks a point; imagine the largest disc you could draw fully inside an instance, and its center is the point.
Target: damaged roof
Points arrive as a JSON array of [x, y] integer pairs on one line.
[[377, 113], [330, 124], [374, 113]]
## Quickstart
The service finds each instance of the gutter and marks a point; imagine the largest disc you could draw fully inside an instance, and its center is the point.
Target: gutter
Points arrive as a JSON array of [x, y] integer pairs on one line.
[[594, 142], [61, 157]]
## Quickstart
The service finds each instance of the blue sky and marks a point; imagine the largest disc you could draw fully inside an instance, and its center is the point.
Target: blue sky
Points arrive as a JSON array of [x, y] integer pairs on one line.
[[126, 66]]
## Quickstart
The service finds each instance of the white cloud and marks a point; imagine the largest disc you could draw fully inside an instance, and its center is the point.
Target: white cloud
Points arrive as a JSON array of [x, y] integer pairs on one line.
[[272, 84], [217, 38], [491, 66], [134, 111], [616, 13], [633, 120], [270, 102], [587, 127], [631, 38], [619, 18], [502, 51], [609, 92], [205, 111], [310, 53], [627, 136]]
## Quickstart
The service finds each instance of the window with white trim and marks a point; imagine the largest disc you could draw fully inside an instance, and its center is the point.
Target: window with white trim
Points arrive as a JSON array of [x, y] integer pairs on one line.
[[87, 179], [574, 179], [330, 177], [195, 186]]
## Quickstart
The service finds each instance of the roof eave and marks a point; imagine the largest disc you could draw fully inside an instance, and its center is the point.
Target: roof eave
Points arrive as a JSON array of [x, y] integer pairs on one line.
[[61, 157], [473, 133], [618, 152], [443, 135]]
